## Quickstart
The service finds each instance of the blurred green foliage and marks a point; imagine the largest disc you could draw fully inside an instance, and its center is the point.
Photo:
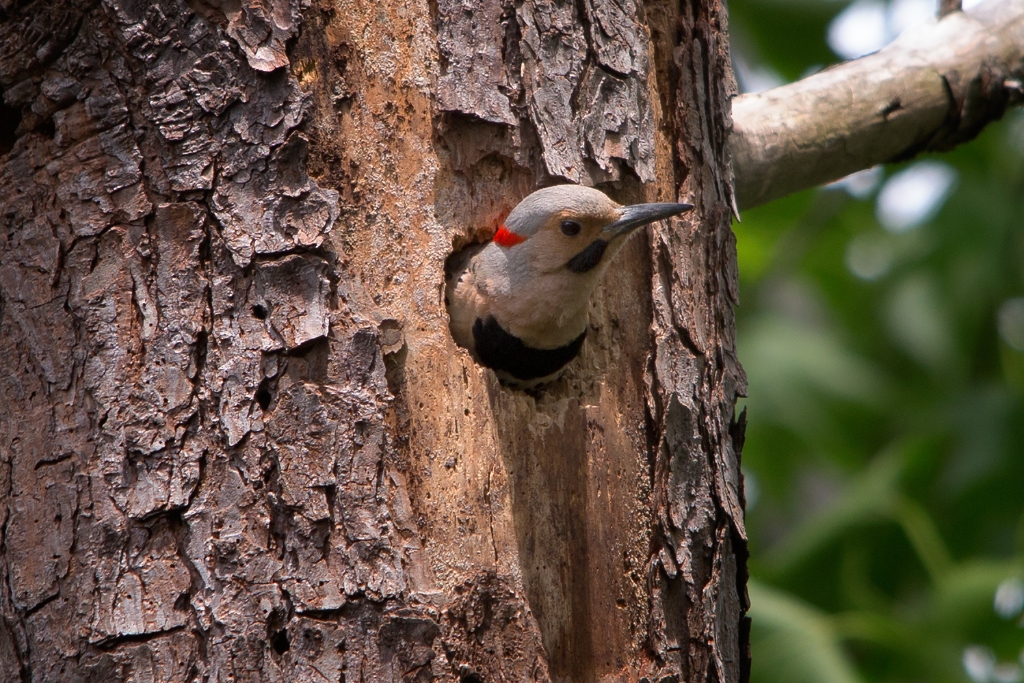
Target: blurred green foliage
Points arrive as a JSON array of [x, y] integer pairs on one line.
[[886, 412]]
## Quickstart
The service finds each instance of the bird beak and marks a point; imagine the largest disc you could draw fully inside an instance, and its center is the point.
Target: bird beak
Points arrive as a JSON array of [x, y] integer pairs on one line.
[[638, 215]]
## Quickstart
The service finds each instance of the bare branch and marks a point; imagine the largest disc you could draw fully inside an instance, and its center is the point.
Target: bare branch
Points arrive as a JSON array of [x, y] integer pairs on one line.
[[935, 87]]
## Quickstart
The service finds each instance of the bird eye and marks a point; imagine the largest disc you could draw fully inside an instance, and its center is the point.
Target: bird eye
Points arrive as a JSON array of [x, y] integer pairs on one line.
[[570, 228]]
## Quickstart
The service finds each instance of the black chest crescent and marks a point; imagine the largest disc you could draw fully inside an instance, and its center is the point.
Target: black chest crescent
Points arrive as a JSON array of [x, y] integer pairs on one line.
[[499, 350]]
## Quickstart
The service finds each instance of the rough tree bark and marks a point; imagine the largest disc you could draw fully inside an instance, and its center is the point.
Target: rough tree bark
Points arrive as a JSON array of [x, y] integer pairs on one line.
[[236, 440]]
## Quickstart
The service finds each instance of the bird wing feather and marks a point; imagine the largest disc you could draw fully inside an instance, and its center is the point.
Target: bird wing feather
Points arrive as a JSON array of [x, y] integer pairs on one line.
[[466, 297]]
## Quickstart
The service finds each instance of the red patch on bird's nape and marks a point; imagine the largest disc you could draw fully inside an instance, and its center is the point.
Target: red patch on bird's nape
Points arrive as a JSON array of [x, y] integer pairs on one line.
[[506, 238]]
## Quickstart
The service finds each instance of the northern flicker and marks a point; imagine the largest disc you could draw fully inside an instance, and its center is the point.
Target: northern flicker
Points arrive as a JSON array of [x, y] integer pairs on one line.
[[519, 302]]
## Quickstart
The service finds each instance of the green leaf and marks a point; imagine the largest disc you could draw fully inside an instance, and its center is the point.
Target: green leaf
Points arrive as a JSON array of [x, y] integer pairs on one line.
[[792, 642]]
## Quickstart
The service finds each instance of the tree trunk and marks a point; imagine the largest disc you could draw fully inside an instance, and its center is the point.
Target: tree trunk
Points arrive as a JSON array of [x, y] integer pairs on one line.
[[236, 439]]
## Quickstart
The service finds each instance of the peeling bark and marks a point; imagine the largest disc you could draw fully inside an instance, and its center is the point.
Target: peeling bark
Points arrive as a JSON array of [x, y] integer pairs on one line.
[[238, 442]]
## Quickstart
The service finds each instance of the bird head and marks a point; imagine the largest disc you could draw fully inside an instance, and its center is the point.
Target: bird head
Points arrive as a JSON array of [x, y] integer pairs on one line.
[[551, 252], [573, 228]]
